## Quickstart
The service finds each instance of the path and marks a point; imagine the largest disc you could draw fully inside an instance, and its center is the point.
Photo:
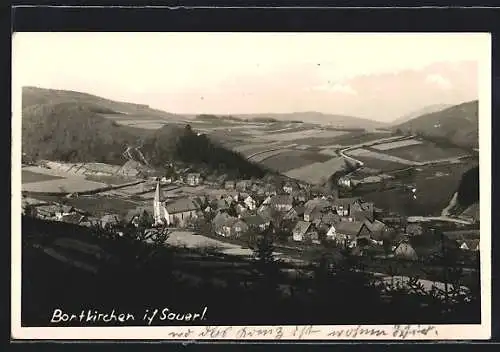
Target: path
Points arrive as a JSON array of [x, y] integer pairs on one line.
[[438, 218]]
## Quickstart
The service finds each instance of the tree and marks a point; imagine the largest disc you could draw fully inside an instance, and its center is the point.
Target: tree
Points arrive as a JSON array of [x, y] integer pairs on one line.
[[266, 267]]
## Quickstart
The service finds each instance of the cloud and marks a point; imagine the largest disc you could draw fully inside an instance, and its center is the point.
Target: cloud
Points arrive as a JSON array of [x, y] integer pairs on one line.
[[337, 88], [439, 81]]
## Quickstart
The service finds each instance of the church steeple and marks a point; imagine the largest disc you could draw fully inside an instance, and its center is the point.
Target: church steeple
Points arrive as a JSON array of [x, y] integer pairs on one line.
[[158, 216]]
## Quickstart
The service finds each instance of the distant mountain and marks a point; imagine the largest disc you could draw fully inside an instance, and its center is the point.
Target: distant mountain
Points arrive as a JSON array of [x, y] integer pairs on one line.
[[427, 110], [341, 121], [457, 124]]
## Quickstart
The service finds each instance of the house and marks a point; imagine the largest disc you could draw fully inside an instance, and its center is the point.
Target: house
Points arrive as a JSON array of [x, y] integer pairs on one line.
[[343, 205], [404, 250], [469, 245], [290, 187], [238, 228], [73, 218], [193, 179], [47, 211], [464, 239], [243, 185], [314, 208], [64, 210], [360, 210], [229, 185], [377, 229], [250, 203], [312, 235], [108, 221], [282, 202], [181, 211], [240, 209], [330, 218], [265, 212], [270, 190], [293, 213], [348, 233], [300, 195], [223, 223], [300, 230], [256, 222], [344, 181]]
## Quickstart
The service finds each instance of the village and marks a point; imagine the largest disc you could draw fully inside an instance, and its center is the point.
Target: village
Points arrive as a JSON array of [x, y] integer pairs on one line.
[[298, 215]]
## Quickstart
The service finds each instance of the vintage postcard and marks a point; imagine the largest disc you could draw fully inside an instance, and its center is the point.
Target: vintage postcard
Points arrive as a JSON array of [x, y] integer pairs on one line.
[[251, 186]]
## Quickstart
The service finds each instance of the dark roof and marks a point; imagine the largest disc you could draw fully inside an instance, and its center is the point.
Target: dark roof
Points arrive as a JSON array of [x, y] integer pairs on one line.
[[349, 227], [471, 244], [346, 201], [265, 212], [282, 199], [73, 218], [223, 219], [301, 227], [110, 218], [255, 220], [181, 205], [330, 218], [375, 226], [316, 204]]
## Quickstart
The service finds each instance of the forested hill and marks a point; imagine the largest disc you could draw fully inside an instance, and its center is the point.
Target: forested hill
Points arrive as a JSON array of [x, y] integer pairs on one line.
[[170, 144], [76, 131], [468, 190], [73, 132]]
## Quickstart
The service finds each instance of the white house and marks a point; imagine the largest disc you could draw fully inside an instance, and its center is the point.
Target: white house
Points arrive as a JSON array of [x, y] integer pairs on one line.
[[250, 203]]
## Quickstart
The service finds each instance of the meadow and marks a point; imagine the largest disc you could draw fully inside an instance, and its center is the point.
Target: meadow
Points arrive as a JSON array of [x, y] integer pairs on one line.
[[30, 176], [293, 159], [435, 186], [423, 152], [318, 172]]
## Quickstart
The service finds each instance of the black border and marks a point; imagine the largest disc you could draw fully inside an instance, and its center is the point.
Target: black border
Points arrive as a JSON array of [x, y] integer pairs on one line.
[[267, 20]]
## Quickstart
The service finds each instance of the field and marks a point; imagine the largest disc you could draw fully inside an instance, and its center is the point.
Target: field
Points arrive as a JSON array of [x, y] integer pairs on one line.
[[292, 136], [380, 164], [289, 160], [316, 173], [396, 144], [56, 181], [63, 185], [109, 180], [366, 153], [423, 152], [435, 186], [98, 205], [30, 176]]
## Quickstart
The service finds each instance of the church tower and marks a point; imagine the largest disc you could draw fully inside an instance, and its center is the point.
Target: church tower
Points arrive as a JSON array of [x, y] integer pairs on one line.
[[160, 213]]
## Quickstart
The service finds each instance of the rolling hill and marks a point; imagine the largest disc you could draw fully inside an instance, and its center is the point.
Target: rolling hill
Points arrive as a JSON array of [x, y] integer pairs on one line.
[[341, 121], [457, 125], [34, 96], [426, 110], [70, 126]]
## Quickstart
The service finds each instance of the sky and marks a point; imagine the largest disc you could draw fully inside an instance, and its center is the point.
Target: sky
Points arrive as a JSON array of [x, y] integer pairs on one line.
[[376, 76]]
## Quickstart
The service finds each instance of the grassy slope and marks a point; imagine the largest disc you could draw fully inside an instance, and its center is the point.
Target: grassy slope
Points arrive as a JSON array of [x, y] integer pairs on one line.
[[457, 124]]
